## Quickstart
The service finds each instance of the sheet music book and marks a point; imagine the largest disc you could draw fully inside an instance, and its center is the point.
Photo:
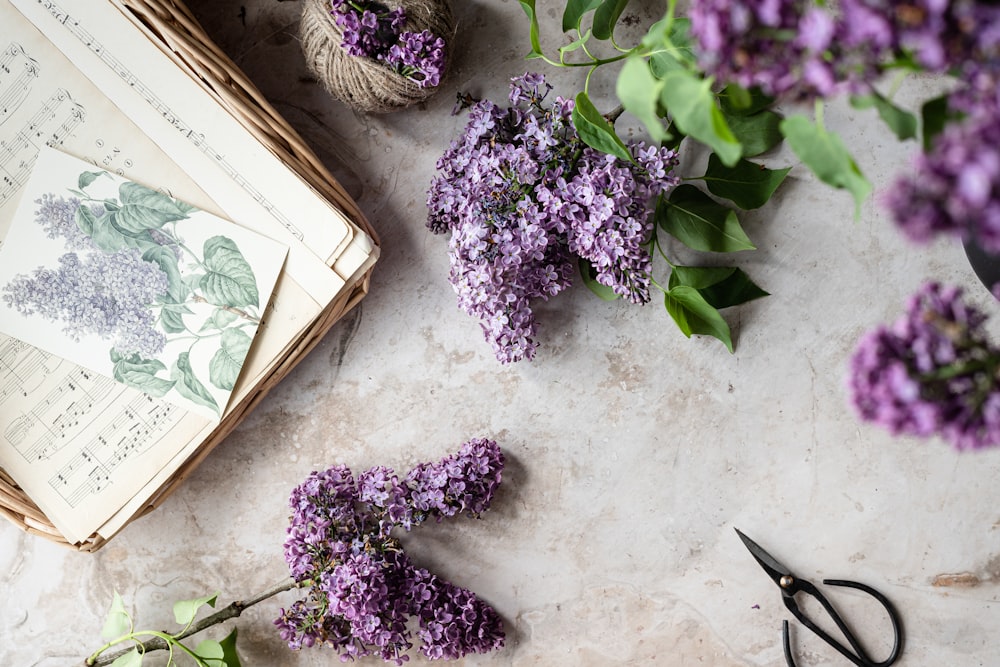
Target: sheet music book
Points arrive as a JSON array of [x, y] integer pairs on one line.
[[83, 77]]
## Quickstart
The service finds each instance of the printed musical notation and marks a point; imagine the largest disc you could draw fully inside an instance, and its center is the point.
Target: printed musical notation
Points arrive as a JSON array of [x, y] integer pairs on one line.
[[53, 121], [55, 413], [149, 95], [128, 434], [17, 72]]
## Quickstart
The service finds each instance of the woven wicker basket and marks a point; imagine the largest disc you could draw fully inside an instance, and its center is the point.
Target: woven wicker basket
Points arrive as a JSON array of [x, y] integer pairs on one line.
[[176, 27]]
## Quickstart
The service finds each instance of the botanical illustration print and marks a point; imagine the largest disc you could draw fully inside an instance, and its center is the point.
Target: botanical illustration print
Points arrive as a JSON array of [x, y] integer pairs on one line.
[[175, 310]]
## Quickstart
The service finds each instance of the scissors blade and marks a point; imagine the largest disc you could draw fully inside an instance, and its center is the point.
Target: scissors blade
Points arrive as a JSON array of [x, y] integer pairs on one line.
[[774, 569]]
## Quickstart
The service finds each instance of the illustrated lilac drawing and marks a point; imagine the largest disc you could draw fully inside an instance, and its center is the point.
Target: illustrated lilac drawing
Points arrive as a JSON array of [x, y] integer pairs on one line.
[[363, 588], [128, 277]]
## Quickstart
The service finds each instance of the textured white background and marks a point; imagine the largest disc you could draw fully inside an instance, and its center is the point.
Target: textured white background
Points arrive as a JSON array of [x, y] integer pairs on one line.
[[632, 451]]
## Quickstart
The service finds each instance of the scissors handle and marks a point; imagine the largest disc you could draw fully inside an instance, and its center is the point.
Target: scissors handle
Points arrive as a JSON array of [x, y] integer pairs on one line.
[[858, 656]]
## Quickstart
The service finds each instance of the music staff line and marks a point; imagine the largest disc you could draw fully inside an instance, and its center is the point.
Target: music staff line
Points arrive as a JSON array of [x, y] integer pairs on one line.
[[162, 108]]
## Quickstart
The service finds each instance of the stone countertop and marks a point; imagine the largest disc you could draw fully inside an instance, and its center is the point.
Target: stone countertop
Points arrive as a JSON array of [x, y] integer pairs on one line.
[[632, 452]]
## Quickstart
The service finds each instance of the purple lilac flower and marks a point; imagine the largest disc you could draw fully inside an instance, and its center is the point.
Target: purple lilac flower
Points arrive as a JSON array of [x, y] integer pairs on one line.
[[57, 216], [955, 188], [105, 294], [372, 30], [933, 372], [523, 197], [363, 589]]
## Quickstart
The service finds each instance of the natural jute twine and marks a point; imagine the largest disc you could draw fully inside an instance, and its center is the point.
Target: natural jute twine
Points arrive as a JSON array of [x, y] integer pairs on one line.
[[365, 83]]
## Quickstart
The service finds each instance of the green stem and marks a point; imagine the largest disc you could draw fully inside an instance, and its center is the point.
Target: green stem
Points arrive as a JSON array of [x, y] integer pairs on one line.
[[819, 114]]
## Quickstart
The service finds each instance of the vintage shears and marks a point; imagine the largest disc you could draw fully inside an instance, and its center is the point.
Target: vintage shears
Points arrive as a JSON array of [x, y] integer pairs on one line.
[[791, 585]]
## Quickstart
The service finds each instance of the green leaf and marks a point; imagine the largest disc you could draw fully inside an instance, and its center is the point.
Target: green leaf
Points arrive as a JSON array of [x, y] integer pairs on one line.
[[935, 115], [691, 103], [103, 233], [229, 281], [172, 316], [606, 17], [700, 222], [574, 45], [140, 373], [188, 385], [589, 276], [694, 315], [229, 653], [131, 659], [824, 153], [738, 101], [757, 133], [595, 130], [901, 122], [186, 610], [536, 46], [671, 45], [211, 652], [575, 11], [639, 92], [748, 184], [88, 177], [144, 209], [721, 286], [117, 622], [227, 362]]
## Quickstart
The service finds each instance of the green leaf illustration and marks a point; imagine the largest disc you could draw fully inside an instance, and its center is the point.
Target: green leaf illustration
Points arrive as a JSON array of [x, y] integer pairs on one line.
[[172, 317], [117, 623], [143, 209], [595, 130], [606, 17], [229, 281], [757, 133], [227, 362], [131, 659], [536, 45], [220, 319], [691, 103], [575, 11], [104, 234], [88, 177], [140, 373], [165, 258], [700, 222], [188, 385], [589, 277], [230, 656], [186, 610], [748, 185], [639, 92], [901, 122], [825, 154], [694, 315], [722, 286]]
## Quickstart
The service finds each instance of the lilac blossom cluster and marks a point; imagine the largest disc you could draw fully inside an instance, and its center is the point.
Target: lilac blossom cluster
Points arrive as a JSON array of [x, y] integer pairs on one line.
[[107, 294], [933, 372], [372, 30], [804, 50], [523, 198], [363, 589]]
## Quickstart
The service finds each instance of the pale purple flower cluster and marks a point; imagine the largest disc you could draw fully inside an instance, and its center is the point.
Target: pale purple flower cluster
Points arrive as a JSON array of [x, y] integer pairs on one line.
[[802, 50], [523, 197], [57, 216], [372, 30], [363, 589], [933, 372], [107, 294]]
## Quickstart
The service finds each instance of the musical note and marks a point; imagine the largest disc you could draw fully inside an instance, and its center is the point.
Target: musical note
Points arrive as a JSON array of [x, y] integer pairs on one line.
[[14, 89]]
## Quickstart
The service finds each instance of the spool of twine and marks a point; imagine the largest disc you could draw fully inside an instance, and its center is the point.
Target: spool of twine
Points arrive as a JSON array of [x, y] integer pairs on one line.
[[365, 83]]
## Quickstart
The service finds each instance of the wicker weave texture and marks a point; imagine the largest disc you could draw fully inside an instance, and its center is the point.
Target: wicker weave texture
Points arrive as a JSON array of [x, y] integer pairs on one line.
[[182, 37]]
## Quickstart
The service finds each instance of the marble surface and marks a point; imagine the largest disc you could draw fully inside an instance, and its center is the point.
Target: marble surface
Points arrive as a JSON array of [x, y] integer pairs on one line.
[[632, 451]]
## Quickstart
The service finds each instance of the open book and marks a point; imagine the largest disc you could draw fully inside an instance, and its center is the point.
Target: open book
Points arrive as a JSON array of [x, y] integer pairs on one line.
[[88, 80]]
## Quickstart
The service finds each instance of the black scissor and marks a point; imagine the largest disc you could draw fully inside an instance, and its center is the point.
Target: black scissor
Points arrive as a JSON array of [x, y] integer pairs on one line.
[[791, 585]]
